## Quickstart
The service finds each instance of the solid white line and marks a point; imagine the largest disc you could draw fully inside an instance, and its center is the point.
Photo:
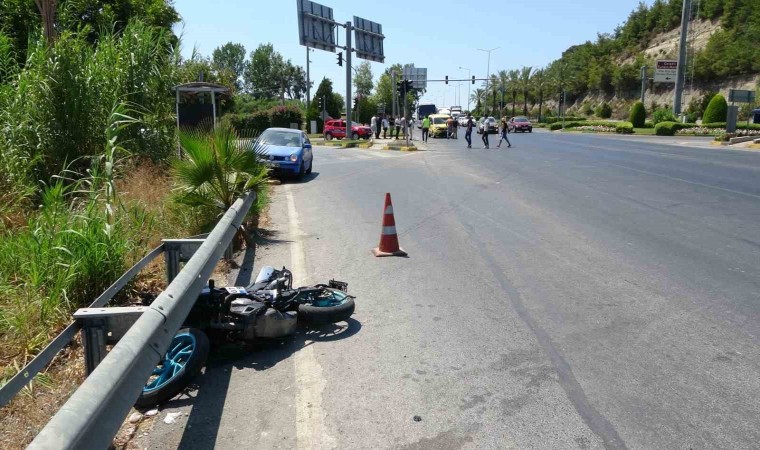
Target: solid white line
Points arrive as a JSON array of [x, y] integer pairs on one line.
[[310, 382]]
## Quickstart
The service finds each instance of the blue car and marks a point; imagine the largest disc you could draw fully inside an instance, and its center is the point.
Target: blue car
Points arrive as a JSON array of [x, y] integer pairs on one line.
[[287, 151]]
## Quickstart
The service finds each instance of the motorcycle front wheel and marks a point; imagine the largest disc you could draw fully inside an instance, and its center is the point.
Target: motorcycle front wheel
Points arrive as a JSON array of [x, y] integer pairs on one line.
[[329, 307], [183, 361]]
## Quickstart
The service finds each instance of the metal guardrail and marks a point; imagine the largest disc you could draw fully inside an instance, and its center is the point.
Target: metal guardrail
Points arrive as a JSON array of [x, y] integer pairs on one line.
[[92, 416]]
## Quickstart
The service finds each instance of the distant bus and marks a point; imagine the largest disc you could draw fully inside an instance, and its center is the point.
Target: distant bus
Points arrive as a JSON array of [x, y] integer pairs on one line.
[[424, 111]]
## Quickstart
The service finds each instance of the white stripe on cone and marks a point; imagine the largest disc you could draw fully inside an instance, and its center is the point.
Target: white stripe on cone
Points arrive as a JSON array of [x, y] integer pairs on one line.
[[389, 230], [389, 209]]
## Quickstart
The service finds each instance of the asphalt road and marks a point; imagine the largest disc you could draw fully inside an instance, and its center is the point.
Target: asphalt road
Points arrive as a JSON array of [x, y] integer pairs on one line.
[[574, 291]]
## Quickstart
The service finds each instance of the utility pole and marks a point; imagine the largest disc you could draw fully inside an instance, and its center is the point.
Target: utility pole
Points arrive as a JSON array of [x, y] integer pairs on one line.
[[643, 82], [349, 28], [685, 16], [308, 80]]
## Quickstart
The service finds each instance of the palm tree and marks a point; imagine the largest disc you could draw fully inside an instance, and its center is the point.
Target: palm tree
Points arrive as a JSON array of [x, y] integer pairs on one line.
[[503, 87], [494, 86], [525, 85], [540, 84], [217, 168], [513, 77], [477, 98]]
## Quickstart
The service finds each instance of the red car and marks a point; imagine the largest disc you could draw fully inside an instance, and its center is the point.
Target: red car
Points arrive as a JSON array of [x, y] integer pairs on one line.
[[520, 123], [337, 129]]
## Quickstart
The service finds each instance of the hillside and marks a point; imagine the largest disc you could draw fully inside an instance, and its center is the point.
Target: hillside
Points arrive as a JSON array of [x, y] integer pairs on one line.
[[723, 54]]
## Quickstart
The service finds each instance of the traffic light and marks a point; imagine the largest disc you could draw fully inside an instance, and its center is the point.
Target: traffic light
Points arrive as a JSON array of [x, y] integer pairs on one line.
[[400, 87], [409, 85], [447, 79], [473, 79], [321, 103], [340, 59], [356, 103]]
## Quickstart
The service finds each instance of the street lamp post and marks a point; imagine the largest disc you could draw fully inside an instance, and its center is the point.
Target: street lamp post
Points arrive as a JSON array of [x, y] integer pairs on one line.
[[469, 74], [308, 81], [488, 71]]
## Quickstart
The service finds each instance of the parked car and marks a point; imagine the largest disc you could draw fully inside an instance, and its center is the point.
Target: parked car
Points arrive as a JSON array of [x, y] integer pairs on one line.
[[438, 124], [488, 123], [520, 123], [287, 151], [337, 129]]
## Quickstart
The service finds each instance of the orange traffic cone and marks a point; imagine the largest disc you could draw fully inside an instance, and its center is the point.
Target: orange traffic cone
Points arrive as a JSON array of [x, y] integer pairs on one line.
[[388, 238]]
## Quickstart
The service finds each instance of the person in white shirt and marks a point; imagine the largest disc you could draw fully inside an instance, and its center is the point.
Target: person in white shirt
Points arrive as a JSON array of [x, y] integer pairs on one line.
[[373, 126], [399, 122], [385, 127]]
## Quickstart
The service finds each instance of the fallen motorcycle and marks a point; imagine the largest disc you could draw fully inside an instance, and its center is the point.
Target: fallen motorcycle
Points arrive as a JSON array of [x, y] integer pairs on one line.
[[268, 308]]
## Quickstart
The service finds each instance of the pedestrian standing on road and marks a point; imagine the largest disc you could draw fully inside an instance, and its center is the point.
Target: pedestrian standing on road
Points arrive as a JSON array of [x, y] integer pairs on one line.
[[410, 126], [425, 128], [449, 128], [504, 131], [456, 128], [486, 126], [399, 121], [385, 126], [468, 131], [373, 126]]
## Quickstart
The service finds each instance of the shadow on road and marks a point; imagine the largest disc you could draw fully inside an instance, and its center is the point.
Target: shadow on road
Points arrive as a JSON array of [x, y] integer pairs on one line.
[[208, 403], [291, 180]]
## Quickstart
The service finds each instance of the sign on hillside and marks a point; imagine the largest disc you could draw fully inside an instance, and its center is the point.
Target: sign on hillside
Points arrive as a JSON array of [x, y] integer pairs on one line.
[[666, 71], [741, 96]]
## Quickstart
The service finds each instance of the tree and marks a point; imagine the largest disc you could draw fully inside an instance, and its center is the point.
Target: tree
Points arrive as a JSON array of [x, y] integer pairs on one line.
[[478, 97], [540, 84], [266, 73], [363, 79], [524, 86], [332, 105], [716, 111], [513, 80], [231, 59]]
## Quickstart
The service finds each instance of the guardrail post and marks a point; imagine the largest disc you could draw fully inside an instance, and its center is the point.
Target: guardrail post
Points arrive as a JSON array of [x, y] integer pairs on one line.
[[171, 257], [94, 341]]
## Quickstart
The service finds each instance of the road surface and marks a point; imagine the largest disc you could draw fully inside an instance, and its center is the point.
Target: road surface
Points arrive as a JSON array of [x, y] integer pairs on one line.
[[575, 291]]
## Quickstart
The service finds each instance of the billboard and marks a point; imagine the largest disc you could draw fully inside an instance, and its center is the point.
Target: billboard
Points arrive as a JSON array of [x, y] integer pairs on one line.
[[368, 40], [316, 27]]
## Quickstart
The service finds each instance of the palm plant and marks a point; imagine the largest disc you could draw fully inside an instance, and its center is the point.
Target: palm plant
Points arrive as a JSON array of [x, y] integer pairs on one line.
[[525, 85], [217, 168]]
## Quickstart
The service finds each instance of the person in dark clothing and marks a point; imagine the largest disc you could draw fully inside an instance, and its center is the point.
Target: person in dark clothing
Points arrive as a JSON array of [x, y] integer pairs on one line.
[[468, 132]]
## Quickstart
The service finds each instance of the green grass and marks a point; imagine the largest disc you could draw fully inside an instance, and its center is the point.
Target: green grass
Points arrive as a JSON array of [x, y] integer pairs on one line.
[[644, 131]]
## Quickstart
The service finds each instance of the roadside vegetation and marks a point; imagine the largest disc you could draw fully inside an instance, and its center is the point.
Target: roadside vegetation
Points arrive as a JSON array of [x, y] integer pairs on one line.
[[88, 141]]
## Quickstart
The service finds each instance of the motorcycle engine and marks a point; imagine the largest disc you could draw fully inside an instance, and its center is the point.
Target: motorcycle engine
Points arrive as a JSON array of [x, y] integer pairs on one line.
[[261, 321]]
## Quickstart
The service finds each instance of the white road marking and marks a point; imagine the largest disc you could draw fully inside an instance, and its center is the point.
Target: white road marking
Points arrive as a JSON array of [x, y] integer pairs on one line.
[[310, 382]]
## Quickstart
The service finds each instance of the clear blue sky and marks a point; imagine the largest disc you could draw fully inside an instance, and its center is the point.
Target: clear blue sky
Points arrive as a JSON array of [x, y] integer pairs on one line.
[[441, 35]]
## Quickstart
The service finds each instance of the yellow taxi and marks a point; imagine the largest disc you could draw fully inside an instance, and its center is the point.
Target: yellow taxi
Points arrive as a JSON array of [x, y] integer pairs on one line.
[[438, 125]]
